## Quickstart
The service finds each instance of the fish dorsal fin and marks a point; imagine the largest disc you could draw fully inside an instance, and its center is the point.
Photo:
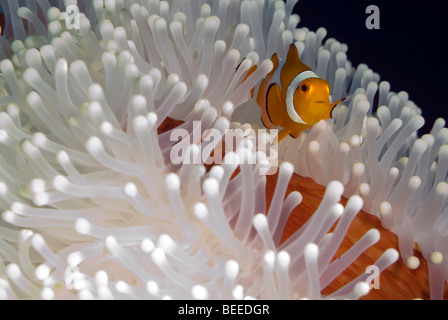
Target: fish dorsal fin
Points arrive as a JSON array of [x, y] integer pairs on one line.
[[293, 54], [292, 67]]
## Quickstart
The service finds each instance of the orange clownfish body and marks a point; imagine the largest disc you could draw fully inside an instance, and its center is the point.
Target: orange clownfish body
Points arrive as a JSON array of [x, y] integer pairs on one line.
[[292, 97]]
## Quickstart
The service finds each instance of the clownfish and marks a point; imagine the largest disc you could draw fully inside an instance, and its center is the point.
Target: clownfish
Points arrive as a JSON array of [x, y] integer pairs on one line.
[[292, 97]]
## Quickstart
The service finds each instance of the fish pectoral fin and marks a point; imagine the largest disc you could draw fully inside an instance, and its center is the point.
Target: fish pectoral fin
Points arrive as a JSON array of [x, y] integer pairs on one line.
[[327, 115], [267, 122], [295, 134], [274, 104], [282, 135]]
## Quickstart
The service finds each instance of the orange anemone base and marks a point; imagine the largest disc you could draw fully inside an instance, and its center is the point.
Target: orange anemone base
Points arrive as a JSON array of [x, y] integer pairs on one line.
[[397, 282]]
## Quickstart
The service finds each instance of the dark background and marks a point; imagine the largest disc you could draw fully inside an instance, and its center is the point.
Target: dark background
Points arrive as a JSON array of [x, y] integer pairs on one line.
[[409, 50]]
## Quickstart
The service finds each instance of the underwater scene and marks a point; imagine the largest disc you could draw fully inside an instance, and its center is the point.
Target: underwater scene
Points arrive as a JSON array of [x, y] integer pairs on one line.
[[222, 150]]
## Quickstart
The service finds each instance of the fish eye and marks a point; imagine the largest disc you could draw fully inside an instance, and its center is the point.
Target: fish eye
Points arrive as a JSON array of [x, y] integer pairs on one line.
[[304, 88]]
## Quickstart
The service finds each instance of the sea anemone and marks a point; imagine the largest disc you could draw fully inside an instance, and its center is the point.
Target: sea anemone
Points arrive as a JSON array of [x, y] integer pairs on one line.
[[95, 205]]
